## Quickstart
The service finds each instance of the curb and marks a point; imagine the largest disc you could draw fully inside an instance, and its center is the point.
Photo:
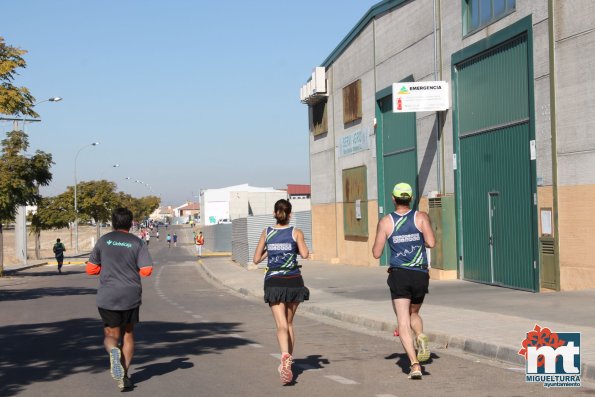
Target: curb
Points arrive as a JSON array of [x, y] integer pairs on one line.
[[468, 345], [12, 271]]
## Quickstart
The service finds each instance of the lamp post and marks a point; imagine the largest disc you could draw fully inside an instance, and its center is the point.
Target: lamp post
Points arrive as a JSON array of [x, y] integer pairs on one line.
[[21, 215], [76, 213]]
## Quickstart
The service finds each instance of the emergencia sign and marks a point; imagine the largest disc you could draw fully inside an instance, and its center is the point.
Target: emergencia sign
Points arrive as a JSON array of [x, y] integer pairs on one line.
[[426, 96]]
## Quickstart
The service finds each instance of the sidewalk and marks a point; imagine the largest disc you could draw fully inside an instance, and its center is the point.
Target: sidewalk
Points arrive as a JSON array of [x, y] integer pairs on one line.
[[31, 263], [480, 319]]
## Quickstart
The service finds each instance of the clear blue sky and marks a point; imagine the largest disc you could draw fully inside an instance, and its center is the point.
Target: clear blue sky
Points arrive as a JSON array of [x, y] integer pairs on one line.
[[183, 94]]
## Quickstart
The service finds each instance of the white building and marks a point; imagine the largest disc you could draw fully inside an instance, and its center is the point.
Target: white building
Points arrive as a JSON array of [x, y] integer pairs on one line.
[[237, 201]]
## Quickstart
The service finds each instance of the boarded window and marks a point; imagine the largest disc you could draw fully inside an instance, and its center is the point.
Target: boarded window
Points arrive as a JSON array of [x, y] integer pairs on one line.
[[319, 118], [355, 202], [352, 102]]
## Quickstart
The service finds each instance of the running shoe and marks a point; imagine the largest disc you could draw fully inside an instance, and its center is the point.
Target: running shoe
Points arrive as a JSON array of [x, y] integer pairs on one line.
[[285, 368], [423, 350], [115, 360], [415, 372]]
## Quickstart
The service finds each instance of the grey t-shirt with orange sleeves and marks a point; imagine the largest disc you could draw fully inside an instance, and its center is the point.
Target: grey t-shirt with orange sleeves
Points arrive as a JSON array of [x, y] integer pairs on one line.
[[120, 255]]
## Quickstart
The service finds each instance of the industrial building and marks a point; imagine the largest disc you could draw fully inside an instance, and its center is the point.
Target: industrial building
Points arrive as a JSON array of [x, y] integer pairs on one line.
[[506, 170]]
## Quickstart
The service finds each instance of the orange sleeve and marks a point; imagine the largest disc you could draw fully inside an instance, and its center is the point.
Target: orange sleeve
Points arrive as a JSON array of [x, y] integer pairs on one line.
[[146, 271], [93, 269]]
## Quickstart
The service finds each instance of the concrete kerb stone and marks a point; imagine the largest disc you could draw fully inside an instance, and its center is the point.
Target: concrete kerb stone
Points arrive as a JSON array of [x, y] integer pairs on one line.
[[444, 340], [12, 271]]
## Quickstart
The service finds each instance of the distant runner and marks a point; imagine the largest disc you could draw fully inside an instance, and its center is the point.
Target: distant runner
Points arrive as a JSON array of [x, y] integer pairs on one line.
[[59, 249], [120, 259], [168, 239], [408, 233], [200, 241], [283, 284], [175, 237]]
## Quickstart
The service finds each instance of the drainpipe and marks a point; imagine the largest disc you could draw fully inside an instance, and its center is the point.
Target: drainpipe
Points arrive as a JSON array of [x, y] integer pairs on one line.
[[440, 174], [330, 83], [554, 136]]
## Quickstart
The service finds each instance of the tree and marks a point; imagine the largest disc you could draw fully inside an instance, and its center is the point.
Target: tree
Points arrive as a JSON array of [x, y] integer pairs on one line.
[[20, 178], [13, 100], [51, 214], [96, 200], [141, 207]]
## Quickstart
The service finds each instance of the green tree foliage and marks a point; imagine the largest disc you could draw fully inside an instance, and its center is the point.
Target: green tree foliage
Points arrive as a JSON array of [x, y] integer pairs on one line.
[[13, 100], [96, 200], [141, 207], [20, 178]]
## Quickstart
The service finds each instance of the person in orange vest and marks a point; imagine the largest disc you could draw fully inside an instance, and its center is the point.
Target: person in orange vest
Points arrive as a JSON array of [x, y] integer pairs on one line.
[[200, 241]]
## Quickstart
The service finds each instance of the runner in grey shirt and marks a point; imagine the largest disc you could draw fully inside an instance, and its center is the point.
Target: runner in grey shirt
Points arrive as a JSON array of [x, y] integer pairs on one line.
[[120, 259]]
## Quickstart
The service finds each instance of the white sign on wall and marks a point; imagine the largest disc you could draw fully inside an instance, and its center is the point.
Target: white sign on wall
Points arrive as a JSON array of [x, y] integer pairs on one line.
[[426, 96], [355, 142]]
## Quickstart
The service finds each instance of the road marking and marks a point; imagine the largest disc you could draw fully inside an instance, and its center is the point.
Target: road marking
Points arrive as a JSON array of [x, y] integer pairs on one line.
[[196, 316], [385, 395], [341, 380], [256, 345], [276, 355], [187, 312], [516, 369]]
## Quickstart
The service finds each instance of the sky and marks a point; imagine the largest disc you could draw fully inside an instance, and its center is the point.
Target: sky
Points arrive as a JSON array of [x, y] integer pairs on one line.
[[183, 95]]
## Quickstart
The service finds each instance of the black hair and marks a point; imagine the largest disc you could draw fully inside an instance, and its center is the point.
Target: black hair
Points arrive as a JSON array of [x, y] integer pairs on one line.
[[122, 219], [57, 240], [402, 200], [282, 211]]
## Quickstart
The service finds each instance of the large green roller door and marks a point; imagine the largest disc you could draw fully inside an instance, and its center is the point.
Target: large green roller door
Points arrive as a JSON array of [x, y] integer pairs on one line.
[[397, 154], [495, 177]]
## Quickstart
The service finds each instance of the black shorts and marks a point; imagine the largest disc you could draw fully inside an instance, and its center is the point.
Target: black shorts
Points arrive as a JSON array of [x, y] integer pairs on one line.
[[285, 289], [411, 284], [119, 318]]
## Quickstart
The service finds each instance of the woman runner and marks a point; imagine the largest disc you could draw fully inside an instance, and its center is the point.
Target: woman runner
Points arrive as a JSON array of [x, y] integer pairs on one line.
[[283, 284]]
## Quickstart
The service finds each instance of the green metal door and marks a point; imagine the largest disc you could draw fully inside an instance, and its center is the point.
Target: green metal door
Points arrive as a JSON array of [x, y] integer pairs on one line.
[[398, 152], [495, 178]]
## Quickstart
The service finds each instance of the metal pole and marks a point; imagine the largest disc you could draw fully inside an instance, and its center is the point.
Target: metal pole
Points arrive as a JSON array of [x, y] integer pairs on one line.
[[76, 213]]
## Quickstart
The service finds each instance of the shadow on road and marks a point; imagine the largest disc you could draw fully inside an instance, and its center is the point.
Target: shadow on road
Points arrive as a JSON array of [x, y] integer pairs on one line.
[[45, 352], [315, 361], [36, 293], [404, 363]]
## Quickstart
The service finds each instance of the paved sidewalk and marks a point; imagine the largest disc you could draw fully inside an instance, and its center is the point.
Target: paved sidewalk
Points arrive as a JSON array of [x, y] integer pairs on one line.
[[31, 263], [480, 319]]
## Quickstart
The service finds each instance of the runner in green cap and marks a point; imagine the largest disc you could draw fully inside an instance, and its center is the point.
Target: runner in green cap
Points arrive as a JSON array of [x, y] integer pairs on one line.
[[408, 234]]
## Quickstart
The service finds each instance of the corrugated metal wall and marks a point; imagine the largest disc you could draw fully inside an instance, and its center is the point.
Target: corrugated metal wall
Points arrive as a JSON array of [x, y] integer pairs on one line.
[[495, 166], [218, 238], [247, 231]]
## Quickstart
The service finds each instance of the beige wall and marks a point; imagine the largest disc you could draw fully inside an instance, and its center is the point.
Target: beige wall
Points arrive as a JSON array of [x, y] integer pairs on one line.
[[324, 236], [351, 251], [576, 217]]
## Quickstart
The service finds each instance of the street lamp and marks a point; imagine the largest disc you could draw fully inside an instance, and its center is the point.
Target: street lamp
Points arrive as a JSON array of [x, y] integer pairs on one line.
[[21, 215], [76, 213]]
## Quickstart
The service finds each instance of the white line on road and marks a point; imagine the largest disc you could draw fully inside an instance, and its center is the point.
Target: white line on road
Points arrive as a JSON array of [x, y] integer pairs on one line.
[[187, 312], [256, 345], [196, 316], [385, 395], [341, 380], [276, 355]]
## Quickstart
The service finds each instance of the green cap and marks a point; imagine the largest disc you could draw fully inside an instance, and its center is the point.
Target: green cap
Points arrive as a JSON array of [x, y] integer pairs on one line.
[[402, 190]]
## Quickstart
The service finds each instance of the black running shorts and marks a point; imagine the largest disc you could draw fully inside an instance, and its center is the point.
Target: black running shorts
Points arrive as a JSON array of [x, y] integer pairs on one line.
[[119, 318], [410, 284]]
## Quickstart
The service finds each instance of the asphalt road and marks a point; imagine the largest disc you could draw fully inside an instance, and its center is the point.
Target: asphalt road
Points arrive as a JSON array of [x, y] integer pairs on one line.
[[196, 339]]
